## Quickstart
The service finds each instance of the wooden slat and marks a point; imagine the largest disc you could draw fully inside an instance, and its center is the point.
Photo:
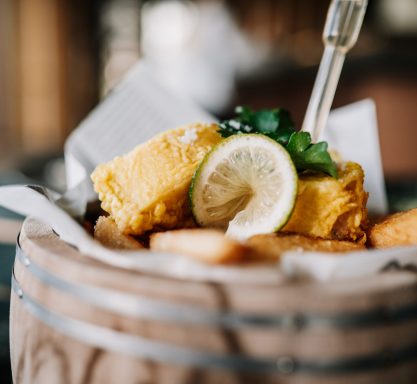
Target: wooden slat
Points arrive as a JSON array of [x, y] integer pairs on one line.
[[9, 230]]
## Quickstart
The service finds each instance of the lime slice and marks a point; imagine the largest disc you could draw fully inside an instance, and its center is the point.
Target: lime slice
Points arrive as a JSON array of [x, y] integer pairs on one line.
[[246, 185]]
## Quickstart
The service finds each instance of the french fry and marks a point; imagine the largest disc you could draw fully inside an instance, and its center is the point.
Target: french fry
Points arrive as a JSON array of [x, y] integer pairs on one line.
[[206, 245], [107, 232], [395, 230]]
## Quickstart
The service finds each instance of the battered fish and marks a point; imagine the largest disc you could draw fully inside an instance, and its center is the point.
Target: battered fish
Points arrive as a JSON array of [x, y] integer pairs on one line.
[[213, 247], [207, 245], [331, 208], [147, 188], [396, 230], [272, 246]]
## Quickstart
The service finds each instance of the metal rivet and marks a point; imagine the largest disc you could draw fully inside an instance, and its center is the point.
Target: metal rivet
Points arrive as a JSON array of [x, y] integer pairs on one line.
[[20, 293], [285, 365]]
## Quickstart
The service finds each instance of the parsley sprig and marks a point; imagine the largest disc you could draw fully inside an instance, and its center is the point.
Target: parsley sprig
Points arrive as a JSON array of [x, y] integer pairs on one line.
[[278, 125]]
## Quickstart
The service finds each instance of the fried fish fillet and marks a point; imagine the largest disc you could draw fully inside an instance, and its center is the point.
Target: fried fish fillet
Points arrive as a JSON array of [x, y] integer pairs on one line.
[[331, 208], [206, 245], [396, 230], [147, 188], [272, 246], [107, 232]]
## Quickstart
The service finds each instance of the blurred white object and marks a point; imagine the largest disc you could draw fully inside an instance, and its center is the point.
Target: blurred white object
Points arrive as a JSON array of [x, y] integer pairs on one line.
[[399, 16], [352, 265], [54, 174], [353, 132], [197, 49], [120, 20], [167, 27]]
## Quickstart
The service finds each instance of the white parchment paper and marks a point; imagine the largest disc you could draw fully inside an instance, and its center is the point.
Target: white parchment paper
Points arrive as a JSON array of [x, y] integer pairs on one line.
[[353, 132]]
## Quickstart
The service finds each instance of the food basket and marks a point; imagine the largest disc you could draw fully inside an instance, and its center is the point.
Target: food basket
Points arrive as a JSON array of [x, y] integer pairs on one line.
[[75, 320]]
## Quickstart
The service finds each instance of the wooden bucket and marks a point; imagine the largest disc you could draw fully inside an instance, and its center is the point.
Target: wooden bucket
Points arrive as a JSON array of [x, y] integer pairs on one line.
[[77, 321]]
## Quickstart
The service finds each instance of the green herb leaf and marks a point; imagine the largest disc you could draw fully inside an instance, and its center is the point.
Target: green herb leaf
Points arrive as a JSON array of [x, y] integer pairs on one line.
[[265, 121], [278, 125], [275, 123], [233, 127], [244, 113], [310, 156]]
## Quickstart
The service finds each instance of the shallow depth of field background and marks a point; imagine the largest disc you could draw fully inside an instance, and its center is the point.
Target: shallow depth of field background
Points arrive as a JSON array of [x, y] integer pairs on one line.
[[58, 58]]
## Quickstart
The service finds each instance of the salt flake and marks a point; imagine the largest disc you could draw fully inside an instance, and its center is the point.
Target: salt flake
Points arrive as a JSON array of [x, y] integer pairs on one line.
[[190, 135]]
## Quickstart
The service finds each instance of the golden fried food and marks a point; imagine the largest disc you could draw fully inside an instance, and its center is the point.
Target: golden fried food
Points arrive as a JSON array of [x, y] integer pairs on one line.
[[206, 245], [331, 208], [148, 187], [396, 230], [213, 247], [109, 235], [272, 246]]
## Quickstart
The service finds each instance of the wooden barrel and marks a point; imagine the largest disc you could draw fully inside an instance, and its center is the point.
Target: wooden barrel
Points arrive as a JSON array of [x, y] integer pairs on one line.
[[77, 321]]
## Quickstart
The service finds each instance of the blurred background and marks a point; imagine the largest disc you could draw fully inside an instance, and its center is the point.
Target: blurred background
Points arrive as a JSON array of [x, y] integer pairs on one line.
[[60, 58]]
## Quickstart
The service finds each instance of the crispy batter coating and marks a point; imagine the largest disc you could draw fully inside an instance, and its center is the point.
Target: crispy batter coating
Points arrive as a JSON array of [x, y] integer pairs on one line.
[[147, 188], [213, 247], [331, 208], [205, 245], [396, 230], [109, 235], [272, 246]]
